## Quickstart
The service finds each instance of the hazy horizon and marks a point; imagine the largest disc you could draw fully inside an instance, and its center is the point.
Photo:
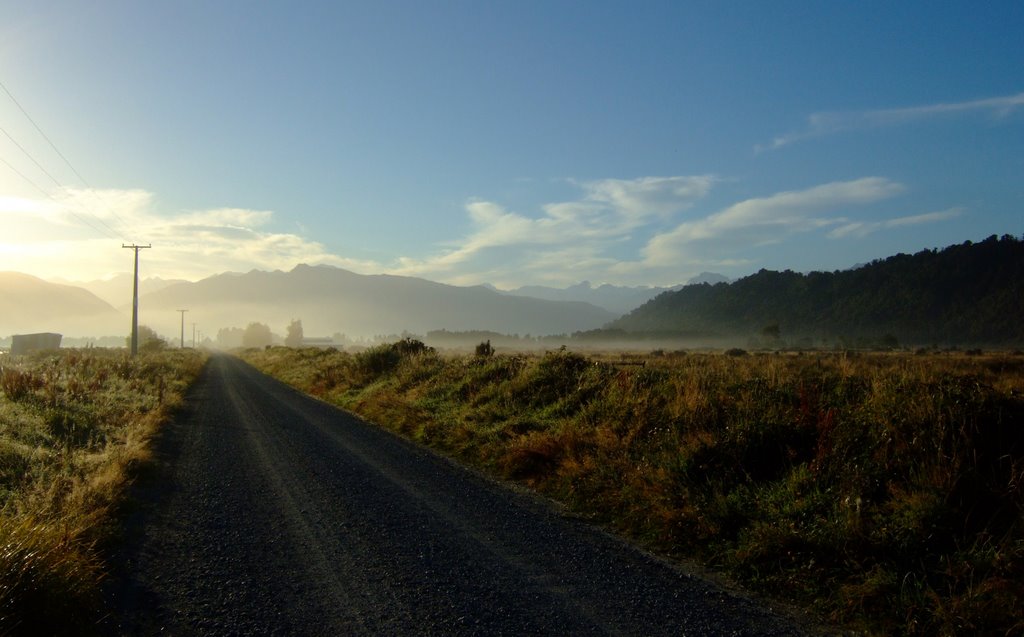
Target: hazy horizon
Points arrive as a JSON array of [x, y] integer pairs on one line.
[[328, 301]]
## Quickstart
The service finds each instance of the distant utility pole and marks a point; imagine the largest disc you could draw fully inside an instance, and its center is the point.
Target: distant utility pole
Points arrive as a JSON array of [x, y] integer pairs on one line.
[[182, 327], [135, 298], [193, 336]]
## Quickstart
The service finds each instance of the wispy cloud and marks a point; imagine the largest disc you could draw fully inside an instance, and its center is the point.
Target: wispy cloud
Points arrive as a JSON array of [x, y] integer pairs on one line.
[[862, 229], [606, 213], [830, 123], [613, 232], [626, 231], [46, 238], [639, 199], [765, 220]]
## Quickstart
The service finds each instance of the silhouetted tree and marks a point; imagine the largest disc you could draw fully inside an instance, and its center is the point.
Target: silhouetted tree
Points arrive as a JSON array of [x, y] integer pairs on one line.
[[294, 337], [771, 332], [149, 340], [257, 335], [229, 337], [485, 349]]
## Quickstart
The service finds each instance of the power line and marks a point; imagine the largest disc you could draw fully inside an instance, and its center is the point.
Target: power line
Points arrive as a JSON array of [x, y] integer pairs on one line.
[[53, 199], [52, 145], [92, 191], [29, 155], [47, 173]]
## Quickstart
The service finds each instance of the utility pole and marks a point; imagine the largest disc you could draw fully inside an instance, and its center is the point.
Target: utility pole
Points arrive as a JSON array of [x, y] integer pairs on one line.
[[135, 298], [182, 327], [193, 336]]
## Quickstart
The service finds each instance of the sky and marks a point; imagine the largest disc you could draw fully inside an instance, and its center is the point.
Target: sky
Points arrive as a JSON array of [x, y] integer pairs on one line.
[[511, 143]]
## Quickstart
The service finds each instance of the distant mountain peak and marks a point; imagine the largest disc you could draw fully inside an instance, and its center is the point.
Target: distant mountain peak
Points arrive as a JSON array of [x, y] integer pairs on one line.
[[582, 285], [711, 278], [30, 304], [614, 298]]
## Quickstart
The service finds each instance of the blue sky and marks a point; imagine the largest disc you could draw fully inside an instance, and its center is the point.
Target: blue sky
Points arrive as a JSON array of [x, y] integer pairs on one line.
[[512, 143]]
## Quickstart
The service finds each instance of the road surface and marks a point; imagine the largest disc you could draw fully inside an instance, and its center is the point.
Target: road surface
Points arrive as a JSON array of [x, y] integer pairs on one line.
[[271, 513]]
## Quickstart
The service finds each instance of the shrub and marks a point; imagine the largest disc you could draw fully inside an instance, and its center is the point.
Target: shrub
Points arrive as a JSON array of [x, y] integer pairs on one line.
[[17, 384], [385, 359], [484, 349]]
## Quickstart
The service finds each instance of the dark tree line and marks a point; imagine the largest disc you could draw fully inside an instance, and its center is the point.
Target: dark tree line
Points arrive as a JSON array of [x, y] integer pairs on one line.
[[971, 293]]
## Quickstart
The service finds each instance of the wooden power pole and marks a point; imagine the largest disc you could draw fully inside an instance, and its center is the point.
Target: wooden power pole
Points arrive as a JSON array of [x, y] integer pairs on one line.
[[135, 299], [182, 328]]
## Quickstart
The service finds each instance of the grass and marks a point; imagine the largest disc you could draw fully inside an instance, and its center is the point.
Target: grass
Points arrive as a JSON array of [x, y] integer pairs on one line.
[[884, 491], [74, 427]]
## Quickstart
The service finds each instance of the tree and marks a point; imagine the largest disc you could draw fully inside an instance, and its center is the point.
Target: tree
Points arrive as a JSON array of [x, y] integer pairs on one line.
[[257, 335], [230, 337], [149, 340], [294, 337]]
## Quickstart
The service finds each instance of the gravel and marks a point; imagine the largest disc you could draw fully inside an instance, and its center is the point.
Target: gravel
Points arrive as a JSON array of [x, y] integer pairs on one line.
[[271, 513]]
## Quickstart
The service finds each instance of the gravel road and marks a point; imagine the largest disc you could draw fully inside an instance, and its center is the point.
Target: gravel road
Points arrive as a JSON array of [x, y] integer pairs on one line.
[[271, 513]]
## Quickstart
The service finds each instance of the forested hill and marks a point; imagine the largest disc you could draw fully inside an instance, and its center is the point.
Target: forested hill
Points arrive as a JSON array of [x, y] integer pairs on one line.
[[972, 293]]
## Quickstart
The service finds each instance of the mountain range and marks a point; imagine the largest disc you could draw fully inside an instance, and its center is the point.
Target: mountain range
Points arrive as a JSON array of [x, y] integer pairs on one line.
[[326, 299], [30, 304], [614, 298], [329, 300], [971, 293], [117, 290]]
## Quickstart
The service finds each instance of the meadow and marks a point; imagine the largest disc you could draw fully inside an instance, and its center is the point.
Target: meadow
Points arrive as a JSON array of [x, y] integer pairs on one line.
[[883, 491], [74, 431]]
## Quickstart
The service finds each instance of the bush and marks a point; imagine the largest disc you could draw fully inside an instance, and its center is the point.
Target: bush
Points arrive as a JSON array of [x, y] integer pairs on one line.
[[17, 384], [484, 349], [149, 340], [385, 359]]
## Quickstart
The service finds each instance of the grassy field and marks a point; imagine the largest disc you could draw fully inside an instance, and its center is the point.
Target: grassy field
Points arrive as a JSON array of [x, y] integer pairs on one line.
[[884, 491], [74, 426]]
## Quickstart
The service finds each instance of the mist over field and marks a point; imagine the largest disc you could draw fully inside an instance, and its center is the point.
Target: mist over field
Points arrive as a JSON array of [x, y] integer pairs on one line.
[[963, 295]]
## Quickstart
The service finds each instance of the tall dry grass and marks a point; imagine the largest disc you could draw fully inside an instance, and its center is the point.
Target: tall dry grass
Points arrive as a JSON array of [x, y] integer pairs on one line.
[[885, 491], [74, 426]]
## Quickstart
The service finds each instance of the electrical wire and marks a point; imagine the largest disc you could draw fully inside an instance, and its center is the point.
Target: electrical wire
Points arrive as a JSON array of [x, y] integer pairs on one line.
[[124, 226], [61, 155], [52, 198], [52, 178]]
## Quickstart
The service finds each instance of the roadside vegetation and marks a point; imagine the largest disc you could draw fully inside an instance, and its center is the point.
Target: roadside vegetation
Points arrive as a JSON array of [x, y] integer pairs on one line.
[[883, 490], [74, 427]]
